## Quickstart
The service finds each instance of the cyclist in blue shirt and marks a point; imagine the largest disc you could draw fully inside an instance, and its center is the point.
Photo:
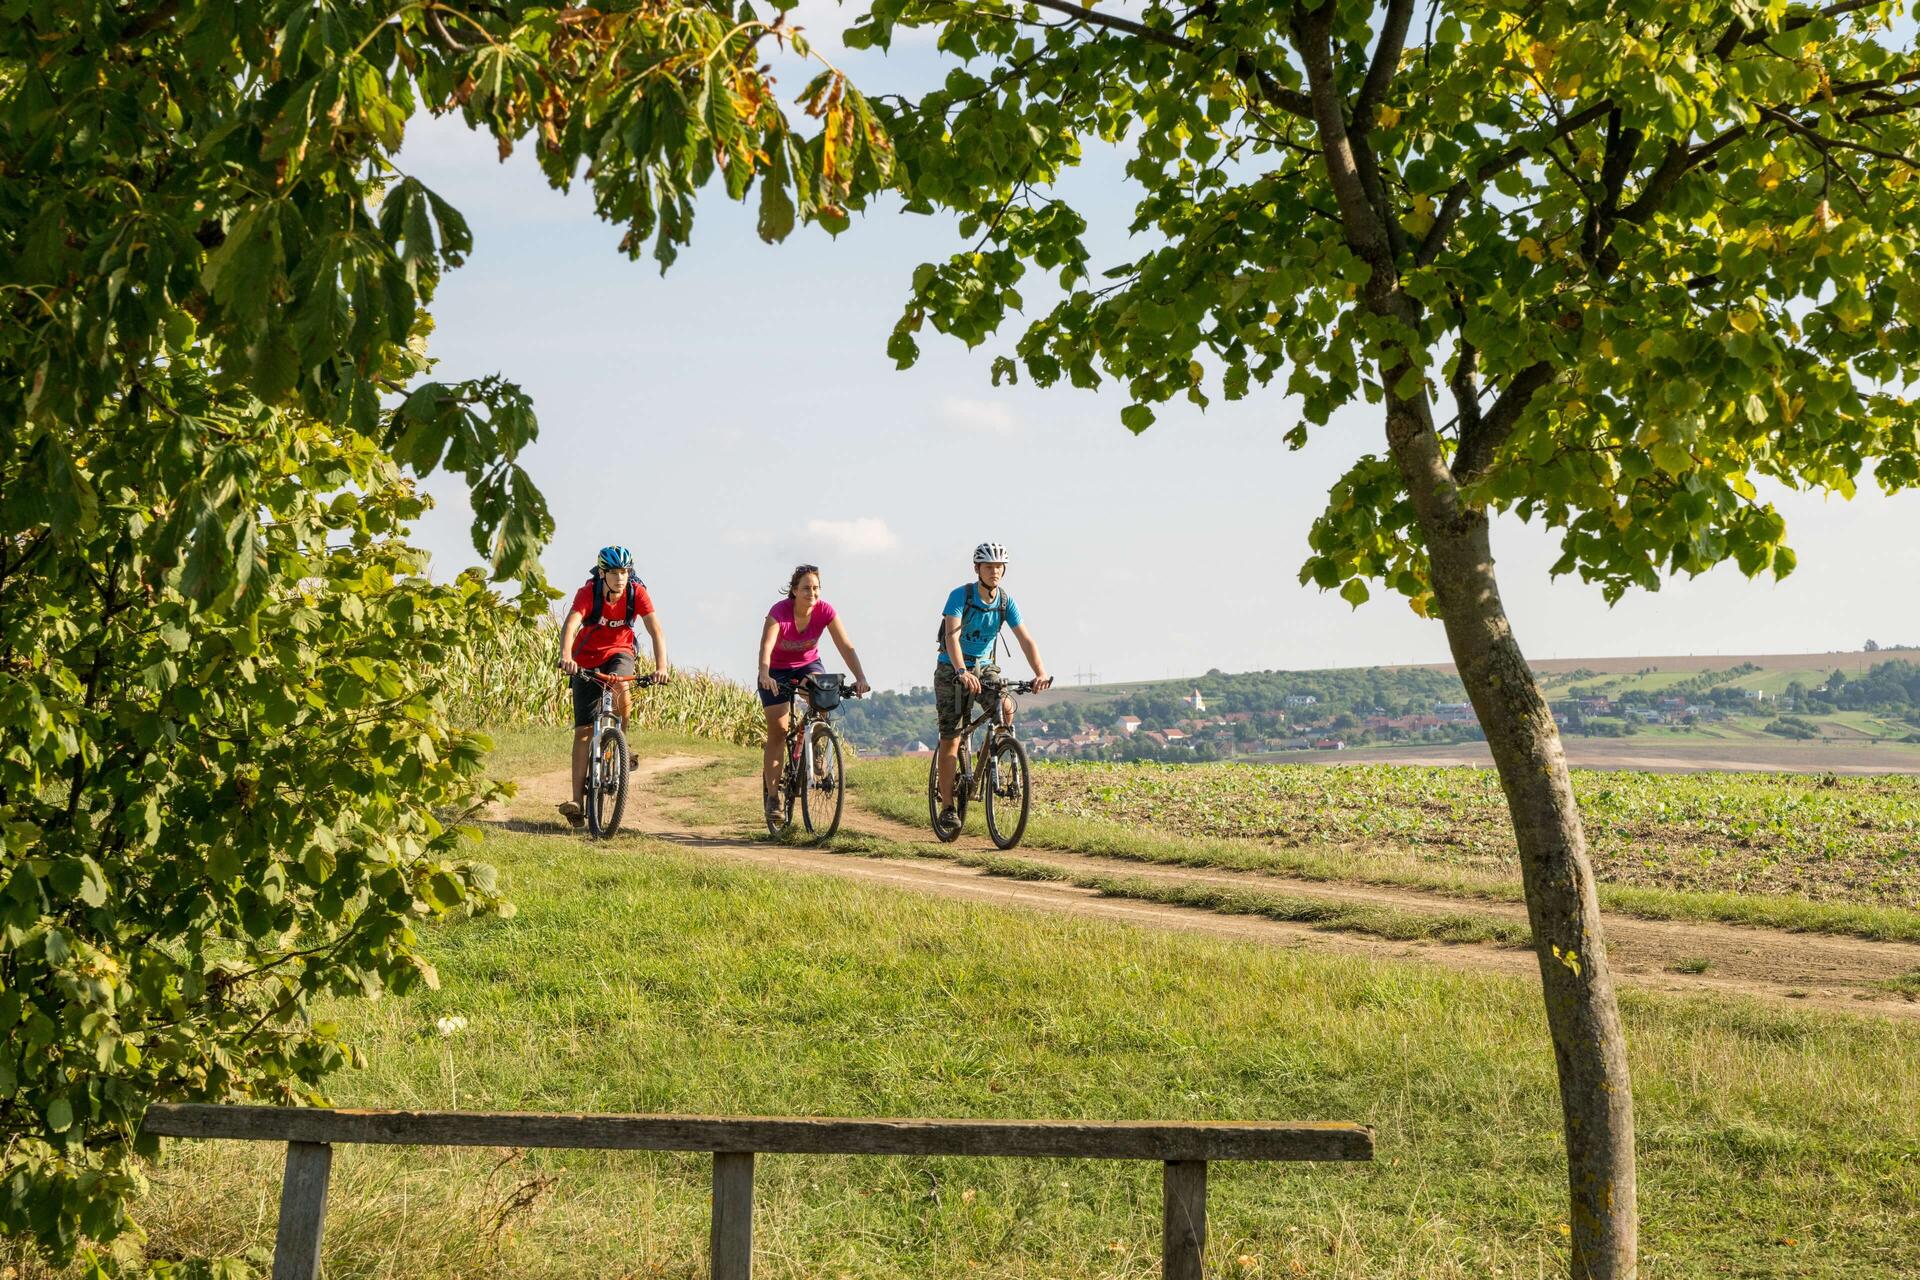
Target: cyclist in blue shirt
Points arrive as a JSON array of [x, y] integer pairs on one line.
[[969, 648]]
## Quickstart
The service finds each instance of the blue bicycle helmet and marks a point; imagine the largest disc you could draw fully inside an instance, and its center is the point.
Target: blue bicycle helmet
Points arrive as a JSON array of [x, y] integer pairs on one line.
[[616, 557]]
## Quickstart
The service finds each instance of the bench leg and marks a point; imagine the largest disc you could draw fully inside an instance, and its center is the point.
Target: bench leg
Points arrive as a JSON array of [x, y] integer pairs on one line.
[[1183, 1229], [303, 1211], [732, 1215]]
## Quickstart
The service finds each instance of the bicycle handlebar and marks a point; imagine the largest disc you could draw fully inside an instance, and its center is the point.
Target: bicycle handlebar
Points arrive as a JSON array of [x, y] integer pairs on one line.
[[1008, 686], [846, 690], [638, 682]]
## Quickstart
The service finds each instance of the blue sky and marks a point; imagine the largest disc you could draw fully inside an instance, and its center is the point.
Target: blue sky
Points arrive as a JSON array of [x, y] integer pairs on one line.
[[740, 415]]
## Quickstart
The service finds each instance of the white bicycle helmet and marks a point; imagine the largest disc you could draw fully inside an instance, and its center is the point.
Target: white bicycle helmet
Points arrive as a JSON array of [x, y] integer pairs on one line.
[[989, 553]]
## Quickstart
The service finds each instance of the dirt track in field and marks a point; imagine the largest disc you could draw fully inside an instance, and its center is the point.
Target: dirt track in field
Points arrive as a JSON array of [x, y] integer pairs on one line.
[[1796, 969]]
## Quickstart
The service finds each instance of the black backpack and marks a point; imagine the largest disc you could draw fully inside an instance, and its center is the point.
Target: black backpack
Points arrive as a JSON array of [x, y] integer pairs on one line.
[[599, 585], [967, 609]]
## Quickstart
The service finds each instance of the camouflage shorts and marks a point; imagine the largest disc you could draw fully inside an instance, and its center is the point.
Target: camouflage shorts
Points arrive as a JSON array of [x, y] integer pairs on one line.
[[952, 699]]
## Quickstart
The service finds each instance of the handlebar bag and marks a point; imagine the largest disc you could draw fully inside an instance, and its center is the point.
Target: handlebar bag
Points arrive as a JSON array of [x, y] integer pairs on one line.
[[823, 692]]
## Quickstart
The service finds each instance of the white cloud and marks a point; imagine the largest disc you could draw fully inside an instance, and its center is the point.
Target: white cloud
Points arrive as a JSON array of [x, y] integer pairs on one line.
[[867, 535], [990, 417]]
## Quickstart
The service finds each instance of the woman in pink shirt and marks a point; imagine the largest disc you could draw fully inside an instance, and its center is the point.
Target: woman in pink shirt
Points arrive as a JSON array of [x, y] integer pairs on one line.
[[789, 652]]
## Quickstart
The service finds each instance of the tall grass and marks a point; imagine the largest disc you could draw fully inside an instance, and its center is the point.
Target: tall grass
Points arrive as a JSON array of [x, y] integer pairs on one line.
[[506, 679]]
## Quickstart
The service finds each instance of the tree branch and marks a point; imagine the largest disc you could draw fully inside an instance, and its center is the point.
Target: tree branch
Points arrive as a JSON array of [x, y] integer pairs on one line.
[[1291, 101], [1442, 223], [1826, 144], [1363, 223], [1477, 446], [1386, 63]]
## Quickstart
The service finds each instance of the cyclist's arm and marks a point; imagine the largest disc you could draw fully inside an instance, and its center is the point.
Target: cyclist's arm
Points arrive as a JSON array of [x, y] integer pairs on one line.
[[950, 637], [769, 632], [840, 642], [567, 635], [1032, 650], [652, 623]]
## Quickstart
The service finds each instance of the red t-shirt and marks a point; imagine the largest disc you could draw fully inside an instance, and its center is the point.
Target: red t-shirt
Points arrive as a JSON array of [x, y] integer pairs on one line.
[[594, 645]]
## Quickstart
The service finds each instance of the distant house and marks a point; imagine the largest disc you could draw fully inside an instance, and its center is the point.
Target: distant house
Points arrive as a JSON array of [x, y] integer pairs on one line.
[[1673, 704], [1195, 701], [1597, 706], [918, 748], [1329, 744], [1301, 699], [1154, 736], [1453, 710], [1127, 724], [1174, 735]]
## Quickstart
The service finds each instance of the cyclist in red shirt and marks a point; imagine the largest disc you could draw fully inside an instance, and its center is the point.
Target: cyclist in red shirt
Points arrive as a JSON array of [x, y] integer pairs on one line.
[[598, 636]]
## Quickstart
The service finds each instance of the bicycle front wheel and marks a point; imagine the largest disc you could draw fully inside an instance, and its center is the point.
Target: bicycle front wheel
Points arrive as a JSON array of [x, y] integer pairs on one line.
[[1008, 794], [825, 790], [607, 791]]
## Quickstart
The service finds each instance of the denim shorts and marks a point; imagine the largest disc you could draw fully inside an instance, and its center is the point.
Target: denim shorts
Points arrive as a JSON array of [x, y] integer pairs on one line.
[[786, 678]]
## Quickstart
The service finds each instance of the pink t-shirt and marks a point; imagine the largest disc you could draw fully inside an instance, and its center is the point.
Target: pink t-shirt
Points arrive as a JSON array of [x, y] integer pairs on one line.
[[793, 647]]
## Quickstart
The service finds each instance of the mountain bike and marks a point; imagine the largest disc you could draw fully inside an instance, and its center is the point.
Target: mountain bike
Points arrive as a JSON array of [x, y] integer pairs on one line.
[[608, 759], [813, 775], [996, 774]]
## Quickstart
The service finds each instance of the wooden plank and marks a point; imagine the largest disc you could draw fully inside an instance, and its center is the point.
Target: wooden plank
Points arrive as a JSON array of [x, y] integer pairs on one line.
[[733, 1215], [303, 1211], [1183, 1223], [1312, 1140]]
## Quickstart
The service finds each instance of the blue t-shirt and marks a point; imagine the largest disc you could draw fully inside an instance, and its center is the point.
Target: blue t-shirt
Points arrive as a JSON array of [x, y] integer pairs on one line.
[[980, 625]]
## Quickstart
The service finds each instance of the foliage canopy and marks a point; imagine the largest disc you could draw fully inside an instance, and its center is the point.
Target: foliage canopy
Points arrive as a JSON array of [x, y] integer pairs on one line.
[[1655, 253], [229, 781]]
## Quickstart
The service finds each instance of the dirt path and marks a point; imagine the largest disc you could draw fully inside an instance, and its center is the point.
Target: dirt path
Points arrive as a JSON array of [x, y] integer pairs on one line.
[[1798, 969]]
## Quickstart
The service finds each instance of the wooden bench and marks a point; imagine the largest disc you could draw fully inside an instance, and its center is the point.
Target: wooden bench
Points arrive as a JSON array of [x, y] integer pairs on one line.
[[1185, 1149]]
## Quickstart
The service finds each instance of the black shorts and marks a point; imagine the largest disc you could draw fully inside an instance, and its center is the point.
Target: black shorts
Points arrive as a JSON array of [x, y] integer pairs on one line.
[[586, 691], [786, 678]]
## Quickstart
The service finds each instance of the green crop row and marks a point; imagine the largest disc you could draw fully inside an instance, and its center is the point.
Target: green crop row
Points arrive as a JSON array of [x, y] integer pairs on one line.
[[1823, 837], [507, 679]]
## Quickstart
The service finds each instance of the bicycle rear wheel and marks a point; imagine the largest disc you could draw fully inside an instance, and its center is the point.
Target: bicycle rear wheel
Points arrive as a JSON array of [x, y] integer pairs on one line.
[[607, 793], [824, 787], [1008, 793]]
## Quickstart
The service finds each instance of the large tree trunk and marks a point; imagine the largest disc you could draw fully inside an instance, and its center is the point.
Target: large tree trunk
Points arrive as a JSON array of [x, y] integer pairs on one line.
[[1589, 1047]]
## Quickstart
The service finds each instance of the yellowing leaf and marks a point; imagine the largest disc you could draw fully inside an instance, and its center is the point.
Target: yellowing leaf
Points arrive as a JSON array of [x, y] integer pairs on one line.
[[1744, 321], [1532, 250], [1772, 175], [1386, 116]]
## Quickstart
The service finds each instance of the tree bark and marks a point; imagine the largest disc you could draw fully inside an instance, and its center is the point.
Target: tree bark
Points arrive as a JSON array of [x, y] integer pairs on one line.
[[1583, 1018]]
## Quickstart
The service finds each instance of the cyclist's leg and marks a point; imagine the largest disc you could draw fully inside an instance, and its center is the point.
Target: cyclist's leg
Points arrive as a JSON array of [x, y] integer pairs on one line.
[[778, 707], [586, 701], [776, 745], [621, 664], [950, 699]]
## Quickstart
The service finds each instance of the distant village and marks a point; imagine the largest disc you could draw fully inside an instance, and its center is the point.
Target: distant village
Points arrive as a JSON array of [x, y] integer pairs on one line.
[[1268, 713]]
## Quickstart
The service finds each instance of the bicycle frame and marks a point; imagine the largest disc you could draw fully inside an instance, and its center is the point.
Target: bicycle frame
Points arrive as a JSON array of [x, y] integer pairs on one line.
[[999, 721]]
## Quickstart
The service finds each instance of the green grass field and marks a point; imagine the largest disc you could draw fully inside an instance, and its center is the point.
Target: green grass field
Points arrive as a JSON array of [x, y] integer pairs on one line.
[[641, 976]]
